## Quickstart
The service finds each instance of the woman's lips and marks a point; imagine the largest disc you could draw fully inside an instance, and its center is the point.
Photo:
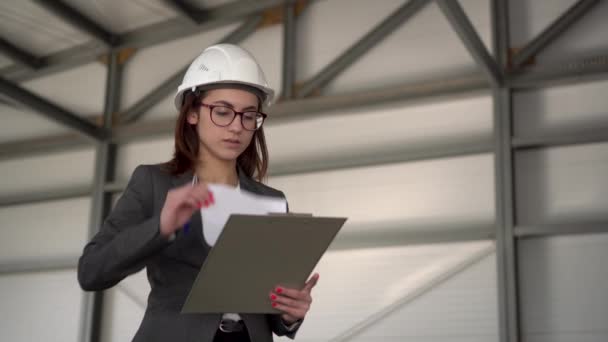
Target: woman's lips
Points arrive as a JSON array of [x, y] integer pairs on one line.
[[232, 142]]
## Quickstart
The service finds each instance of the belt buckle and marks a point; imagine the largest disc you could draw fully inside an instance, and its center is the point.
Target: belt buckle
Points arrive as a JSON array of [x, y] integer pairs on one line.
[[226, 325]]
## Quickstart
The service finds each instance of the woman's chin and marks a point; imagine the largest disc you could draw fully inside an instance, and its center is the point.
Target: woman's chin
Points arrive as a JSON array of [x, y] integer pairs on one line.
[[229, 155]]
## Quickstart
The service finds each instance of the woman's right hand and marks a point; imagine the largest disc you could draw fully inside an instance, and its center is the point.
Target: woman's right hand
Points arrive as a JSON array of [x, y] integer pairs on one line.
[[180, 204]]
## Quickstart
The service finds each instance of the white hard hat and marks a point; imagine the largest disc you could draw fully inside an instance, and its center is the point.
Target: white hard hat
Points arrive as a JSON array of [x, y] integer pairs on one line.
[[224, 63]]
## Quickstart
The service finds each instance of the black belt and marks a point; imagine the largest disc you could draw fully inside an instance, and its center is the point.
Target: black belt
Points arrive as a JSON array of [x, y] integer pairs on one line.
[[231, 326]]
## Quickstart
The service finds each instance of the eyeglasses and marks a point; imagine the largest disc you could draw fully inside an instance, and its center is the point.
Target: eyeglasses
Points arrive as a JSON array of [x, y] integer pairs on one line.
[[223, 116]]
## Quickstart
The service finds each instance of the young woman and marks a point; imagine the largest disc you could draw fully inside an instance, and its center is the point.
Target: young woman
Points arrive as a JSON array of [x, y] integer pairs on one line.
[[218, 139]]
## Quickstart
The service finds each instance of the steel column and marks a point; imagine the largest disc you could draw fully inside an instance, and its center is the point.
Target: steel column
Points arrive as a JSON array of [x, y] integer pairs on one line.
[[289, 50], [506, 252], [101, 200]]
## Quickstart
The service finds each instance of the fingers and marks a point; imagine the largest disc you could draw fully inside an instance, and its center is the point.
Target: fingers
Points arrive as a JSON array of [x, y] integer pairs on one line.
[[195, 197], [296, 313], [311, 282], [291, 293], [201, 193], [303, 303]]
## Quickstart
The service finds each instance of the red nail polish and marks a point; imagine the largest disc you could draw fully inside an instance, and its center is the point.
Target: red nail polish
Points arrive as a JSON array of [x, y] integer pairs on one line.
[[273, 297], [206, 204], [274, 305], [211, 197], [200, 205], [279, 289]]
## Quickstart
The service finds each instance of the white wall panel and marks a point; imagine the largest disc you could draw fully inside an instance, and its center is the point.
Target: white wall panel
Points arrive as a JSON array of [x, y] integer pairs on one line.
[[47, 172], [382, 129], [357, 284], [124, 307], [565, 108], [18, 123], [461, 309], [409, 54], [151, 66], [562, 184], [44, 230], [586, 37], [563, 285], [398, 197], [80, 90], [40, 307], [143, 152]]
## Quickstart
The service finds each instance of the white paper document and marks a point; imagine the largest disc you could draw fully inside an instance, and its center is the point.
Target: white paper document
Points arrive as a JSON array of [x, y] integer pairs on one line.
[[230, 200]]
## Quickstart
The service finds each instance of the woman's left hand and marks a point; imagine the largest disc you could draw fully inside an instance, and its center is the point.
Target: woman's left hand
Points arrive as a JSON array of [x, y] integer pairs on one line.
[[293, 303]]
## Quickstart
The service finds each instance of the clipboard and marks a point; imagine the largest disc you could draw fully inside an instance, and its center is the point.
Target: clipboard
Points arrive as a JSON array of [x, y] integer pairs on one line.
[[256, 253]]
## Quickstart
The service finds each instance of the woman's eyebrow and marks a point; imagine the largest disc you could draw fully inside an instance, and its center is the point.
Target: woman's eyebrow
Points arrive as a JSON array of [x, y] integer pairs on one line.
[[228, 104]]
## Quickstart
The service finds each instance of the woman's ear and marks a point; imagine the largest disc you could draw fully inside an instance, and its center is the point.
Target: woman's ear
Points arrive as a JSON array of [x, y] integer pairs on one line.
[[192, 118]]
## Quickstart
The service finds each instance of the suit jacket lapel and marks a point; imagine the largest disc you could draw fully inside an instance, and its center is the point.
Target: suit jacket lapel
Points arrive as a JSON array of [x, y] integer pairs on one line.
[[247, 183]]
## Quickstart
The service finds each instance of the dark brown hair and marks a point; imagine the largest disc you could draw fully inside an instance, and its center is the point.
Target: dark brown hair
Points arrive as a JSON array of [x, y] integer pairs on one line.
[[253, 161]]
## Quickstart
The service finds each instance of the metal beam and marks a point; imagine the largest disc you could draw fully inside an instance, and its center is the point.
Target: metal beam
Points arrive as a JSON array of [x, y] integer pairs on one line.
[[505, 217], [36, 266], [44, 145], [50, 110], [153, 34], [560, 139], [289, 50], [454, 234], [169, 85], [354, 52], [404, 234], [303, 109], [101, 201], [452, 150], [506, 249], [191, 14], [79, 21], [19, 55], [465, 30], [560, 73], [554, 30], [43, 196], [555, 229], [473, 147]]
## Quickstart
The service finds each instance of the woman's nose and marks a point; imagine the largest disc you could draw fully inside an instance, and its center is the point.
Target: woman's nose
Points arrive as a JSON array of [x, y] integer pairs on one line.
[[236, 125]]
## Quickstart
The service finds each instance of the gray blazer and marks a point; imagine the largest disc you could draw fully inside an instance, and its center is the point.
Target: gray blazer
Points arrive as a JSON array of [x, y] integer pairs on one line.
[[129, 240]]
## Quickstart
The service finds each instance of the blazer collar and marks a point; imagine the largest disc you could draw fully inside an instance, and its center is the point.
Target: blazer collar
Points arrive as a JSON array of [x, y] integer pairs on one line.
[[183, 179], [245, 182]]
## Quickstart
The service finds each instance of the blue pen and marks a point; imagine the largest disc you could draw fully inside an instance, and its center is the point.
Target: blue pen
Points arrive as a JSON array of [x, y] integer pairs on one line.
[[186, 227]]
